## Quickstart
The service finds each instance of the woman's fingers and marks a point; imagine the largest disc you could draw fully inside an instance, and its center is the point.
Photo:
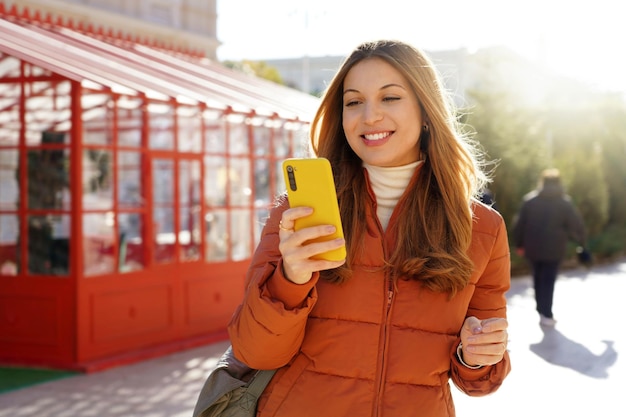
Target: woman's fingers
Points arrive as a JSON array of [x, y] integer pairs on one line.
[[298, 248]]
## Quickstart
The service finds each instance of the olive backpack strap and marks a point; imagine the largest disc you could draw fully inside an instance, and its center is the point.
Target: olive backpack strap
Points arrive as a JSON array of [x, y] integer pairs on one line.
[[255, 388]]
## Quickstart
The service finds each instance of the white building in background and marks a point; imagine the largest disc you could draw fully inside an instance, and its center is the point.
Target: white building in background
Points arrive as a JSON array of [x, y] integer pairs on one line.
[[312, 74], [188, 24]]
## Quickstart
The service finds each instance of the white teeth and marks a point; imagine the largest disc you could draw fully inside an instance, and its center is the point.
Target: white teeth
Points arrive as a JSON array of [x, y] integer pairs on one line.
[[376, 136]]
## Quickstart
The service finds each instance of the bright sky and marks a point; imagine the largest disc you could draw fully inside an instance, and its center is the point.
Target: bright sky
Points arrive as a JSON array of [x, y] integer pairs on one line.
[[579, 38]]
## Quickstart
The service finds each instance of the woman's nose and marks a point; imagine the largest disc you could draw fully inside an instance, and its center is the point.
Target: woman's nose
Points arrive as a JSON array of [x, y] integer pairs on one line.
[[372, 114]]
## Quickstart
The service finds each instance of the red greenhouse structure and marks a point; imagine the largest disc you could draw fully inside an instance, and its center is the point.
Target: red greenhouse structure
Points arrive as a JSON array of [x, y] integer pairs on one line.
[[134, 183]]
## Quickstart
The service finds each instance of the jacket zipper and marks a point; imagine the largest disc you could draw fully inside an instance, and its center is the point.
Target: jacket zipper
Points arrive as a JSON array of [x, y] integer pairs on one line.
[[380, 372], [383, 362]]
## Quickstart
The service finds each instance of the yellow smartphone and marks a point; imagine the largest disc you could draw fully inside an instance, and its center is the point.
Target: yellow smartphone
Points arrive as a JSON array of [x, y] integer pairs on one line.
[[310, 183]]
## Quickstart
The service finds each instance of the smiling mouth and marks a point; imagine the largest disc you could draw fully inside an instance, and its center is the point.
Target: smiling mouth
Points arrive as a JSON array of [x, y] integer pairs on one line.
[[377, 136]]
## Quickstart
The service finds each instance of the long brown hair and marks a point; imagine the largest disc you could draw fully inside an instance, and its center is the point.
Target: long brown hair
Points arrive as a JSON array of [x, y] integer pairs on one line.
[[434, 229]]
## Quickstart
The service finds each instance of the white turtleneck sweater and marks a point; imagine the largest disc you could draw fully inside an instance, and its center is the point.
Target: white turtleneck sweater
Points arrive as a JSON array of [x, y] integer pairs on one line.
[[388, 184]]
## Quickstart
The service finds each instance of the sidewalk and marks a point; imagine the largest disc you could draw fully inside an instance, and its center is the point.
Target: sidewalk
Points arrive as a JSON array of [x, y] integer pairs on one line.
[[572, 370]]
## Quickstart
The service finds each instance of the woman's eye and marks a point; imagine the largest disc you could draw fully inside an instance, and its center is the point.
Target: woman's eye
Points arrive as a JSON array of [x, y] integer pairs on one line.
[[391, 98], [351, 103]]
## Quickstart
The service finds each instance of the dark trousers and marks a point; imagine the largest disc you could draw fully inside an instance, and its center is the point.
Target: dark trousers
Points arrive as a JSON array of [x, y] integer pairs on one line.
[[544, 279]]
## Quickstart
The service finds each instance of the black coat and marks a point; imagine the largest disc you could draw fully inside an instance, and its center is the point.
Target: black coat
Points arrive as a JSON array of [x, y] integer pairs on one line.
[[546, 222]]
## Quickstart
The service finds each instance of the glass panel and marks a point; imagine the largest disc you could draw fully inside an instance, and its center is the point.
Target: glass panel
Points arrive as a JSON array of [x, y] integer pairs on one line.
[[97, 179], [240, 234], [262, 191], [163, 181], [10, 115], [132, 248], [47, 112], [261, 219], [216, 235], [189, 208], [10, 96], [48, 245], [39, 244], [9, 185], [60, 247], [301, 144], [97, 119], [48, 177], [262, 140], [98, 238], [129, 122], [129, 190], [163, 209], [282, 138], [238, 139], [165, 238], [215, 181], [161, 132], [214, 136], [280, 178], [240, 190], [9, 66], [189, 130], [9, 240], [34, 70], [190, 234]]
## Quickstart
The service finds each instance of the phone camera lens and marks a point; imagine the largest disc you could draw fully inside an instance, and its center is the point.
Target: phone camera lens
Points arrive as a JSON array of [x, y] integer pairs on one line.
[[291, 178]]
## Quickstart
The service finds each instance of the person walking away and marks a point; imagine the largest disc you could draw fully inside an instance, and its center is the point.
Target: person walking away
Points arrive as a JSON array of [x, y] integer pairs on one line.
[[546, 222], [486, 197], [419, 299]]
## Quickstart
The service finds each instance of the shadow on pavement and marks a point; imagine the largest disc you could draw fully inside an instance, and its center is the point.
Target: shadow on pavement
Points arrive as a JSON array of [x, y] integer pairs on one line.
[[557, 349]]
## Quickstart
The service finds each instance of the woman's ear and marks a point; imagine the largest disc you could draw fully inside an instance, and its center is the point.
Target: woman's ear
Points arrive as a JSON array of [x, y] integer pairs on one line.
[[424, 138]]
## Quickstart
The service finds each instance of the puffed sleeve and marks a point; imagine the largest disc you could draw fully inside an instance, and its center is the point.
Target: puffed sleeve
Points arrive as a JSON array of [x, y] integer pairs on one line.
[[267, 329], [488, 300]]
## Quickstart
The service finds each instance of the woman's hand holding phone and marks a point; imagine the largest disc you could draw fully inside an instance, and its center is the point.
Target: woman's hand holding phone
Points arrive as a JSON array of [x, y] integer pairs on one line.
[[311, 235], [301, 249]]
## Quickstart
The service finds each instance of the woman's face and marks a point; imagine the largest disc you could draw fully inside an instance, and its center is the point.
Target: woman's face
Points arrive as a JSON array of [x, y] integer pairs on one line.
[[381, 116]]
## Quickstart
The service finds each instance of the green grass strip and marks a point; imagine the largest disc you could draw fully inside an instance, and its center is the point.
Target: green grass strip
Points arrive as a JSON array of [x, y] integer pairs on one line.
[[16, 378]]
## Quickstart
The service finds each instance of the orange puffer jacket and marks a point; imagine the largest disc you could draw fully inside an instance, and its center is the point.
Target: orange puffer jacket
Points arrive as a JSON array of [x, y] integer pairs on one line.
[[367, 347]]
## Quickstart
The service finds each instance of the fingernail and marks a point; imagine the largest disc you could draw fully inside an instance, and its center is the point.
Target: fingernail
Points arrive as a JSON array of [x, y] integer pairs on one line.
[[477, 330]]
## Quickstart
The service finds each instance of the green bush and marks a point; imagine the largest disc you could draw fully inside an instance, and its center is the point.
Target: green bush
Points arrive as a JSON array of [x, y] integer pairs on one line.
[[607, 246], [610, 244]]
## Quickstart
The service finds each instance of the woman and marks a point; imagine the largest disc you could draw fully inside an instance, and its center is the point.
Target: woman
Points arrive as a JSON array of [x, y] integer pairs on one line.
[[420, 298]]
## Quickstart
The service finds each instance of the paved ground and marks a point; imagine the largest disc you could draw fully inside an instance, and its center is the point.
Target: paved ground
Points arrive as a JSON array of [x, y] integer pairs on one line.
[[574, 369]]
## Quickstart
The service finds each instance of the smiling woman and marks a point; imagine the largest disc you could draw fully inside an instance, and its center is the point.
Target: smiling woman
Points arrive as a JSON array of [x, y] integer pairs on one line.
[[425, 263], [374, 91]]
